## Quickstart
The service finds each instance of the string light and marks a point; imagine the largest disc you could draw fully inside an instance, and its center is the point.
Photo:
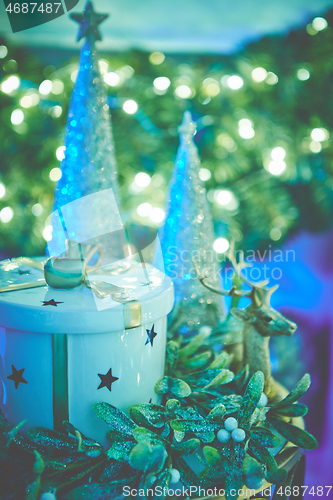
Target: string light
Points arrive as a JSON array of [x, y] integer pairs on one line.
[[221, 245], [2, 190], [17, 117], [272, 78], [37, 209], [278, 153], [55, 174], [144, 210], [57, 87], [303, 74], [235, 82], [161, 83], [60, 152], [319, 134], [157, 215], [315, 146], [319, 23], [45, 87], [275, 234], [142, 179], [156, 58], [223, 197], [111, 79], [47, 233], [103, 66], [183, 91], [205, 174], [10, 84], [74, 75], [245, 129], [211, 87], [6, 215], [55, 111], [259, 74], [276, 167], [3, 51], [130, 107]]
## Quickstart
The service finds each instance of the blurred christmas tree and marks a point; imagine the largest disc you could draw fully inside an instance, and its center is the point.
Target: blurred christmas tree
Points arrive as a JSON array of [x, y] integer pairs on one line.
[[264, 121]]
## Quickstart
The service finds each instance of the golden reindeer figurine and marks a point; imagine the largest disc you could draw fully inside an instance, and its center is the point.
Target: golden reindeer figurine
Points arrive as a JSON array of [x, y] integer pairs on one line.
[[261, 322]]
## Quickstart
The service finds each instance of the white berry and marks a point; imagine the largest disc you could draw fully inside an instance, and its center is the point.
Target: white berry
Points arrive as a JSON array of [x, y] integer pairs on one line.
[[262, 401], [230, 424], [223, 436], [48, 496], [175, 476], [238, 435]]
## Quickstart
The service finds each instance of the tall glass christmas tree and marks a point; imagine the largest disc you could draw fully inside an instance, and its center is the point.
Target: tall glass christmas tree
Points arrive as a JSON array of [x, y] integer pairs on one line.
[[89, 165], [188, 235]]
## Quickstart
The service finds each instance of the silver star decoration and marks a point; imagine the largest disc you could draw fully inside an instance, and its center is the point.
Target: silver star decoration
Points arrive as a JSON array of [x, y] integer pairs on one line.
[[89, 21]]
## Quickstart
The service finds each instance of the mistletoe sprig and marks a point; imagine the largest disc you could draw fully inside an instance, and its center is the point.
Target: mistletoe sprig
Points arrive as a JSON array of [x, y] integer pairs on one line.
[[234, 442]]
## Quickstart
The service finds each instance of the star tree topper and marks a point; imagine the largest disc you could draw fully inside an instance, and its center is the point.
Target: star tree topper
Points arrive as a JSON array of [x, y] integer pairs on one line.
[[89, 21]]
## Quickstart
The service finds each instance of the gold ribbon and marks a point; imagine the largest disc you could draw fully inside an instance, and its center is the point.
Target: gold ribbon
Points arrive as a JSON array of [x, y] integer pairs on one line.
[[73, 270]]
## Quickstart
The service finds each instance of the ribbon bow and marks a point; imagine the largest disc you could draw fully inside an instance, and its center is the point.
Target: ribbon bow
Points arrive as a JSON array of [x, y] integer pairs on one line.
[[73, 270]]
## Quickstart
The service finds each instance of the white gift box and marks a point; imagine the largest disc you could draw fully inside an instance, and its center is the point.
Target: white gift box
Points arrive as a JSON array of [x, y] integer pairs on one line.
[[61, 350]]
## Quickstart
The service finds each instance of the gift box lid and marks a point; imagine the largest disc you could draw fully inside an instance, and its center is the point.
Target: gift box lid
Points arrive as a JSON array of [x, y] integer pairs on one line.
[[79, 310]]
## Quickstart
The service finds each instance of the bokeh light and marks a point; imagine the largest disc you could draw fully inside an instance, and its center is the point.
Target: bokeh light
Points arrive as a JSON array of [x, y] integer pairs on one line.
[[55, 174], [111, 79], [6, 214], [17, 117], [45, 87], [157, 215], [278, 153], [303, 74], [60, 152], [156, 58], [319, 134], [276, 167], [319, 23], [47, 233], [183, 91], [3, 51], [57, 87], [235, 82], [142, 179], [161, 83], [130, 107], [259, 74], [2, 190], [37, 209], [144, 209], [221, 245], [205, 174], [10, 84]]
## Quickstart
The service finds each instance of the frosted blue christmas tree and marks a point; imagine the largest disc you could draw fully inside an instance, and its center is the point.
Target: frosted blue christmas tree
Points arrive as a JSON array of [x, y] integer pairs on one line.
[[89, 165], [188, 234]]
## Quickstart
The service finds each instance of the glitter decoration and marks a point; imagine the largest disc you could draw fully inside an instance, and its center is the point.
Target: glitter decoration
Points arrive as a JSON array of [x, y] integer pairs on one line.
[[89, 164], [188, 234]]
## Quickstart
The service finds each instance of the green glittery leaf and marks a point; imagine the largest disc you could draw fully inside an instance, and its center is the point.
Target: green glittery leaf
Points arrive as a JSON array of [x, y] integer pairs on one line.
[[211, 455], [148, 414], [253, 473], [115, 418], [217, 413], [265, 437], [251, 399], [192, 346], [224, 377], [188, 447], [295, 435], [294, 410], [220, 361], [142, 434], [120, 451], [300, 388], [262, 454], [198, 361]]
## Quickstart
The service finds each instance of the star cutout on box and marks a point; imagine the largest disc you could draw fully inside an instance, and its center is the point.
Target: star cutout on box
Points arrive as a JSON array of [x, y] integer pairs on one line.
[[89, 21], [51, 303], [107, 380], [151, 335], [17, 376]]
